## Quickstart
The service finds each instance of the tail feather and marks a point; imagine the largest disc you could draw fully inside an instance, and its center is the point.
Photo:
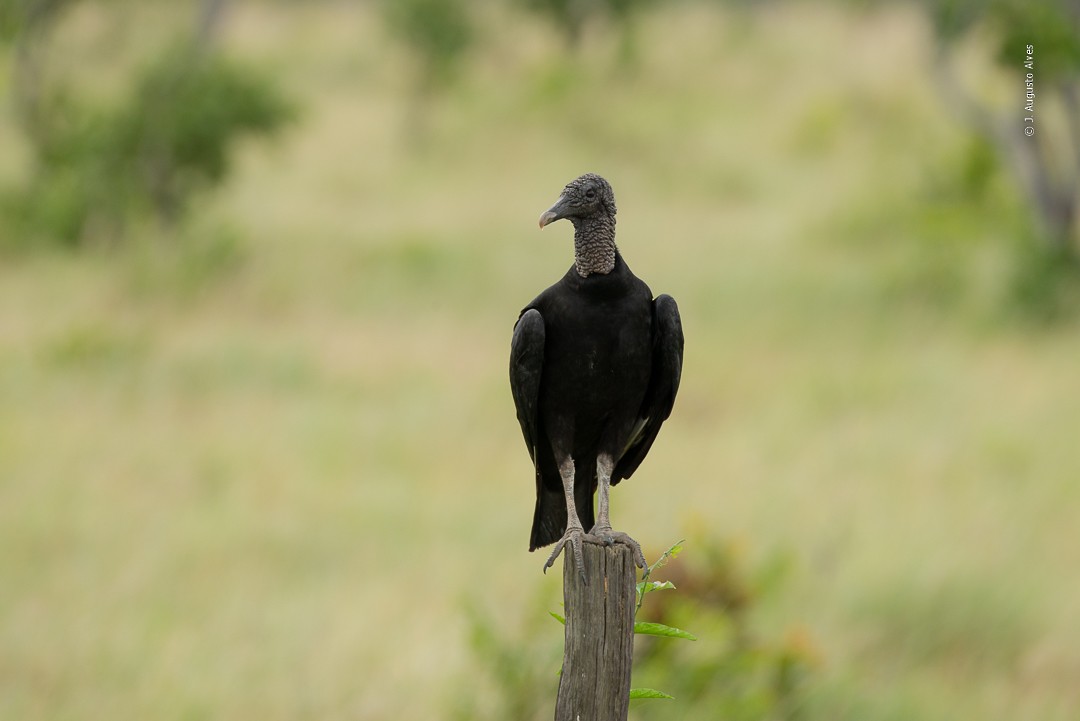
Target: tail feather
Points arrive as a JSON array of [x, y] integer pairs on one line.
[[549, 516], [583, 492]]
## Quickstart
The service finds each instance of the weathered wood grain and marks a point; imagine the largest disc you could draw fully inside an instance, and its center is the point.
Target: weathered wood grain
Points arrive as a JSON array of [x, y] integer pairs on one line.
[[599, 646]]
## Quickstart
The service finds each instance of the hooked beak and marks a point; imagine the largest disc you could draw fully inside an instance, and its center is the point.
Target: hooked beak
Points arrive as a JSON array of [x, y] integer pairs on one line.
[[555, 212]]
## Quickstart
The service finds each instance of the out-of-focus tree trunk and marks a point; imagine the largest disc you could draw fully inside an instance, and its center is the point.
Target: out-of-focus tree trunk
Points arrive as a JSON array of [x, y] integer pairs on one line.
[[206, 28], [1051, 188], [28, 93]]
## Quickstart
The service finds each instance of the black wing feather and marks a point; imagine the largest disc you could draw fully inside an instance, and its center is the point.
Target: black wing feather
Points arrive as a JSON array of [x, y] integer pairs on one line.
[[526, 365], [667, 358]]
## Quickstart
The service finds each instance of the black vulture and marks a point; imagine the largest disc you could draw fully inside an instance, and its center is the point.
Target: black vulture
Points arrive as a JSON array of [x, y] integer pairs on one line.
[[595, 363]]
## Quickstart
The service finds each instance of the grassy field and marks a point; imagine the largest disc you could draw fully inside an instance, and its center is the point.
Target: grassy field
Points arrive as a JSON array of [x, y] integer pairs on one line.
[[256, 477]]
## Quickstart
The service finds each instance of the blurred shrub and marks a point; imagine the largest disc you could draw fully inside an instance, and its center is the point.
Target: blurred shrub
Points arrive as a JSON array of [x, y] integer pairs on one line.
[[205, 251], [513, 674], [1031, 148], [739, 670], [1045, 285], [570, 17], [186, 111], [11, 19], [973, 196], [98, 170], [92, 347], [438, 32], [19, 16]]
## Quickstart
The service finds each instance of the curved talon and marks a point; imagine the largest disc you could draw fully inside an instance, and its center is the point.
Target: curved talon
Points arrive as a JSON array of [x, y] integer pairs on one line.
[[610, 538], [575, 536]]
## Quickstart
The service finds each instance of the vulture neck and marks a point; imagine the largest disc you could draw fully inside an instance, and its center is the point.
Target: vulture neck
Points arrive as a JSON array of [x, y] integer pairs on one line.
[[594, 245]]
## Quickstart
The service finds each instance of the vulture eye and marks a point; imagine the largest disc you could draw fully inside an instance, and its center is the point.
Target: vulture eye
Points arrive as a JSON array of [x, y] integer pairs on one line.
[[590, 193]]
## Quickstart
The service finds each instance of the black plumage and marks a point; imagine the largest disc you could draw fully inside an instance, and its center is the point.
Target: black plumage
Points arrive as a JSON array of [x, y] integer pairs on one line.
[[595, 364]]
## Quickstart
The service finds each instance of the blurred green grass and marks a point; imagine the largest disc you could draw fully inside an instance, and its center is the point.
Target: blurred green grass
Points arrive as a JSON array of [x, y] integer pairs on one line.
[[255, 476]]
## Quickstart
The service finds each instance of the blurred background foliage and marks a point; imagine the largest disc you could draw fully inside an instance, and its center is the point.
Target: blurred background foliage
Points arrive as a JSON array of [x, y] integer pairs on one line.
[[259, 262], [96, 167]]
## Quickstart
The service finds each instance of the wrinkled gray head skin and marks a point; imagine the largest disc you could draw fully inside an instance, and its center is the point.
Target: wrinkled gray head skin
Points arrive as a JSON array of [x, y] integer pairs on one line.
[[586, 197], [589, 204]]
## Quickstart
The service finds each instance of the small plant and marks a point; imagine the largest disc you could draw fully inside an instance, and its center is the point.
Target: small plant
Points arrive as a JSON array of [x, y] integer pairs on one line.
[[746, 671], [647, 628]]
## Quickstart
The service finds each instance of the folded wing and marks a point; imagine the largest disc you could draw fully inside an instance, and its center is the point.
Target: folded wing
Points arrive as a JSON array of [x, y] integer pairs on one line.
[[526, 365], [667, 357]]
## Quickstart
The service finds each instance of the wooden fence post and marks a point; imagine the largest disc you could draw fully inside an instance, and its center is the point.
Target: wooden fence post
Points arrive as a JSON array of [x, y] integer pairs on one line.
[[599, 645]]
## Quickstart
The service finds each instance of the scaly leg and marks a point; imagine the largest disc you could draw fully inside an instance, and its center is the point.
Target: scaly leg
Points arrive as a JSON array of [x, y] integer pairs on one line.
[[575, 534], [604, 466]]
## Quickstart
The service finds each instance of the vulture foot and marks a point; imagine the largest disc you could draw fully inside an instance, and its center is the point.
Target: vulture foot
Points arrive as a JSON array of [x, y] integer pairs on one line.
[[609, 537], [575, 536]]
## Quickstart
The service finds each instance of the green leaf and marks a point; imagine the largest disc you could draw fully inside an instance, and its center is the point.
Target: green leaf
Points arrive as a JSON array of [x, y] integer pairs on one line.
[[645, 585], [648, 693], [557, 617], [659, 629], [650, 586], [670, 553]]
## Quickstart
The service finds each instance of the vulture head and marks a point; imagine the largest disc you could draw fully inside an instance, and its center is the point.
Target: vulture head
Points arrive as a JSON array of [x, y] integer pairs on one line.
[[587, 197]]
